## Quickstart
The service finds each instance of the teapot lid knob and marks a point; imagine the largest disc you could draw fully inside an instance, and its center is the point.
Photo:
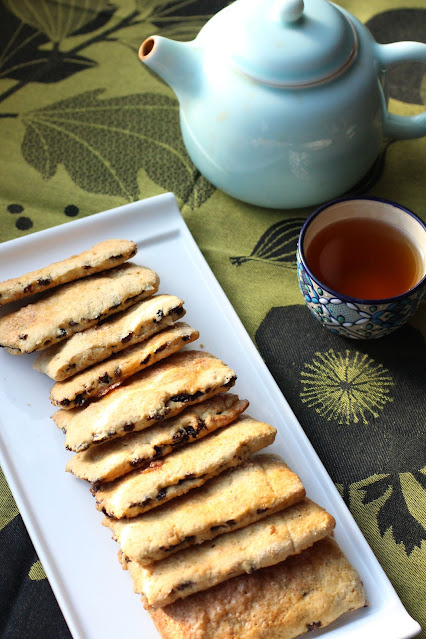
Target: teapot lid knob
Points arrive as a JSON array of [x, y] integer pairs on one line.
[[304, 42], [289, 10]]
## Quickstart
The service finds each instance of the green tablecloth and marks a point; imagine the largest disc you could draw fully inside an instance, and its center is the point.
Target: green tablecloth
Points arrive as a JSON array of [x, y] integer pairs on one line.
[[84, 127]]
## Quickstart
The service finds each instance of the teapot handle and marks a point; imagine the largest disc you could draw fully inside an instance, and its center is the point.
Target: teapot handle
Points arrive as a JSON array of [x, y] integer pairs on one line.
[[402, 126]]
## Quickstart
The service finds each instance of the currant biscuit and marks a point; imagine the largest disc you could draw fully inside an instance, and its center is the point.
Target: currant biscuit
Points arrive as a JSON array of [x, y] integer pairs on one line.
[[100, 257], [159, 392], [73, 307], [303, 593], [99, 379], [105, 462], [258, 545], [121, 331], [261, 486], [184, 469]]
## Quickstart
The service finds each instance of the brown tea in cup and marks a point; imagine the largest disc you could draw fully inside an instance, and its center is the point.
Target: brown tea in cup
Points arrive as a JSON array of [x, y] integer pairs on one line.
[[361, 265], [365, 258]]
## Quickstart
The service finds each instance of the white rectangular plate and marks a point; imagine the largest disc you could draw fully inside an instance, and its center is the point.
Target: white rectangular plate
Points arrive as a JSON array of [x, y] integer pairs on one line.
[[78, 554]]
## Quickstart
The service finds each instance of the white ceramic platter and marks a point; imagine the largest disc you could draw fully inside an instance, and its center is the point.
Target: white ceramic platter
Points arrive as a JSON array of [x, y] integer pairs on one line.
[[78, 554]]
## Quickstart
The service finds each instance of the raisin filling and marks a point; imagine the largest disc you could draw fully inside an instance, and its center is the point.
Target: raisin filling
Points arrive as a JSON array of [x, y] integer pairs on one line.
[[178, 310], [201, 425], [180, 437], [184, 585], [136, 463], [230, 522], [110, 433], [231, 382], [142, 504], [79, 399], [215, 528], [183, 434], [186, 397], [162, 348], [159, 316], [161, 493]]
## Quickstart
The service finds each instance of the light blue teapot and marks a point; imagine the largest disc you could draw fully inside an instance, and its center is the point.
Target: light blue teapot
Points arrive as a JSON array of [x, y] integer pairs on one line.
[[282, 102]]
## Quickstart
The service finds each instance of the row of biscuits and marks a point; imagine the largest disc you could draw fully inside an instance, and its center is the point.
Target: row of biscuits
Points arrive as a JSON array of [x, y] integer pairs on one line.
[[208, 526]]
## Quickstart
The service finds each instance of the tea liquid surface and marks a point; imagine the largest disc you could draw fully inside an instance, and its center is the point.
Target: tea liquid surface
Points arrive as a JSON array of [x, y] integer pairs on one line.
[[363, 258]]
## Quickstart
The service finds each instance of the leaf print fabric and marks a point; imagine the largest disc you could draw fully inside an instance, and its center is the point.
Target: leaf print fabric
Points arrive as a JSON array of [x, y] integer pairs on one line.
[[394, 515], [278, 244], [56, 20], [8, 508], [87, 135], [49, 41], [37, 571], [28, 28]]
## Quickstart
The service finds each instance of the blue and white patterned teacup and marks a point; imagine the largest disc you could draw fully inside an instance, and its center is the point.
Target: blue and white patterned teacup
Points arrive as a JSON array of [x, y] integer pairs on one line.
[[351, 316]]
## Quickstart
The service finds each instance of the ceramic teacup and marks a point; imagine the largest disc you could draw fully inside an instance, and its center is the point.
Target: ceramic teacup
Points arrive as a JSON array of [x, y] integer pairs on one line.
[[381, 287]]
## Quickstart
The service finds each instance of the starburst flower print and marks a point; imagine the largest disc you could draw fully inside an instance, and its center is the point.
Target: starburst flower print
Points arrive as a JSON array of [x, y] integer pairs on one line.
[[349, 387]]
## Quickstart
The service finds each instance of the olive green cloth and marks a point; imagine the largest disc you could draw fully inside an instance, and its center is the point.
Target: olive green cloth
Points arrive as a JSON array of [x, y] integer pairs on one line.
[[85, 127]]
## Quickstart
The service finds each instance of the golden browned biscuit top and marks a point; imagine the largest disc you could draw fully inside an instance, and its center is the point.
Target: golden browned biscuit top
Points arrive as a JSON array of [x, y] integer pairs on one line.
[[102, 256]]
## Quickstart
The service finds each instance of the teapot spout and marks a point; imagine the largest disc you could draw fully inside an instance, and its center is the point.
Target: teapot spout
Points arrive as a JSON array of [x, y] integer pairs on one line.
[[175, 62]]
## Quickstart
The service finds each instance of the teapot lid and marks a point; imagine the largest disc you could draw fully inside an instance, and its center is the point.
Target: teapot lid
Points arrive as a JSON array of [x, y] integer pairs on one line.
[[290, 43]]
